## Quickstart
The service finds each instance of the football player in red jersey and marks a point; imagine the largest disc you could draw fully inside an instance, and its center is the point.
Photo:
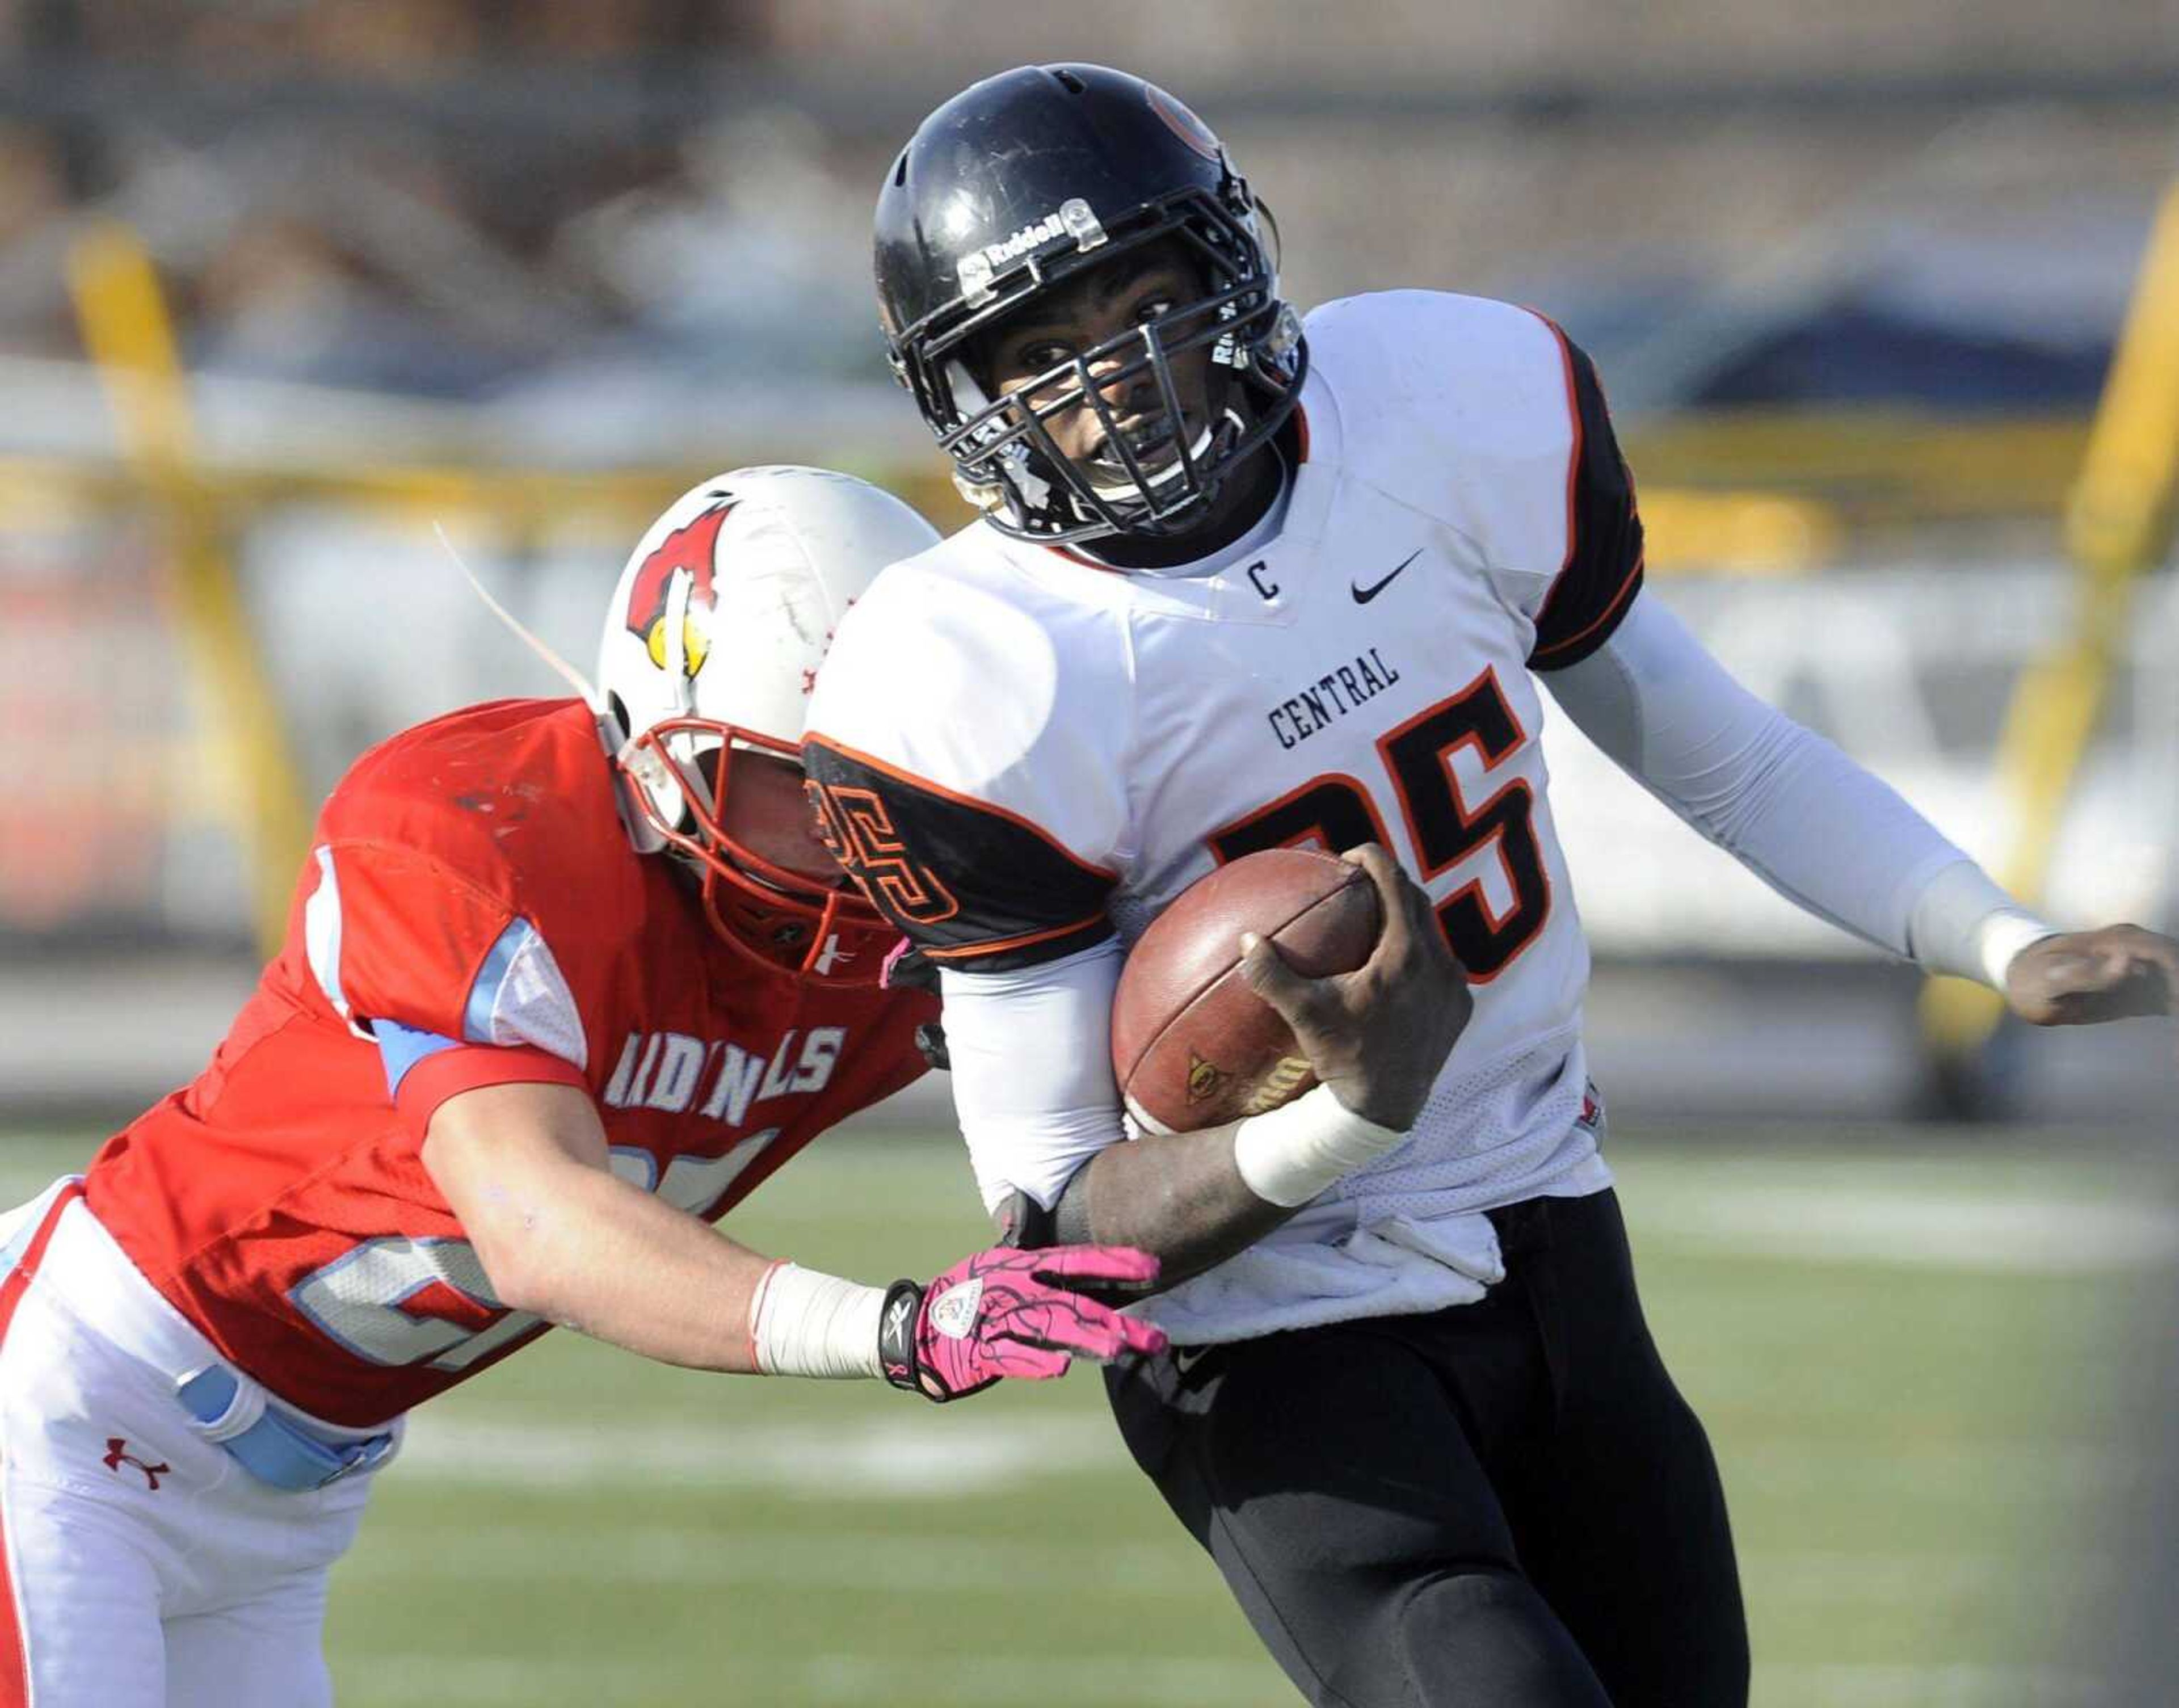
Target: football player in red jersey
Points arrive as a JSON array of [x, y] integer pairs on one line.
[[563, 983], [1246, 579]]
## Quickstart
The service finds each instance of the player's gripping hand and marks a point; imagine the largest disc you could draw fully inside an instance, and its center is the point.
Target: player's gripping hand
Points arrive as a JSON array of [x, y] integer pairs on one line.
[[1379, 1035], [1004, 1313], [2078, 977]]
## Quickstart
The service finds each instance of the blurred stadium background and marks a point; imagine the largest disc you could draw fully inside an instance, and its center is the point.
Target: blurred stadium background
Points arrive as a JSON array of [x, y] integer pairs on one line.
[[1887, 298]]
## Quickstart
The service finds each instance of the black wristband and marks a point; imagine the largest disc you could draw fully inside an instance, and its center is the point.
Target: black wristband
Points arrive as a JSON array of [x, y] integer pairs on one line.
[[896, 1320]]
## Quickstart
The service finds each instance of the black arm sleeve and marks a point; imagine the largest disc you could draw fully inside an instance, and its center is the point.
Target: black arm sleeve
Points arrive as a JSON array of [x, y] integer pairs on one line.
[[972, 885], [1603, 567]]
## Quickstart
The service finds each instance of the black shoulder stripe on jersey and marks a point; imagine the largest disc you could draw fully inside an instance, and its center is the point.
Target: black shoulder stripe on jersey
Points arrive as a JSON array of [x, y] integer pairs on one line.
[[1603, 567], [973, 885]]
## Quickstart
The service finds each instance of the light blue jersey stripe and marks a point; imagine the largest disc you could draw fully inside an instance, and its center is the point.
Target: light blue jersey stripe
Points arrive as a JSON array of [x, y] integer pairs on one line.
[[484, 994], [402, 1047]]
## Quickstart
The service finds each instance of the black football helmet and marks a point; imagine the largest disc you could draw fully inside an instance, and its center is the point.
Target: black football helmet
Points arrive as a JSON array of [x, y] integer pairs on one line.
[[1023, 182]]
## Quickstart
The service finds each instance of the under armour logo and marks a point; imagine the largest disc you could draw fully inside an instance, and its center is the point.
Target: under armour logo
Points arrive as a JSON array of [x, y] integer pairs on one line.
[[118, 1455]]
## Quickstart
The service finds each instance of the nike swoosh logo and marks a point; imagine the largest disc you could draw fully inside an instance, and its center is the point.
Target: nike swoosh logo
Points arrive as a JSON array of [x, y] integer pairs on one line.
[[1363, 596]]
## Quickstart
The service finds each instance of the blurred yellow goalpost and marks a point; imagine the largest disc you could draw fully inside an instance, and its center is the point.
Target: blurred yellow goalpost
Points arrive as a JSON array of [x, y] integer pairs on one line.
[[2119, 521], [130, 339]]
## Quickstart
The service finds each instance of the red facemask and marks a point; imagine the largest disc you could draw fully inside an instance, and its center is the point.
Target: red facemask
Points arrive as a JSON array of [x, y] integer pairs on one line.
[[770, 889]]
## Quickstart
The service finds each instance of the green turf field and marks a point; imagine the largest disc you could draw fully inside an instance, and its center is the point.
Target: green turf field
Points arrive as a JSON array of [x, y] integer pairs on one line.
[[1907, 1359]]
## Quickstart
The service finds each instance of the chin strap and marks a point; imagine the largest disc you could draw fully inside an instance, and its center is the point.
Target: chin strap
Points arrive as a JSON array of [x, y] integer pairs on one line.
[[1228, 427]]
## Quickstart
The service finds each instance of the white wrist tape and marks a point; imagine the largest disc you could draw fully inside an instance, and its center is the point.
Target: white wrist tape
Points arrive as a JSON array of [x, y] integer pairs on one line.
[[2003, 935], [803, 1322], [1291, 1154]]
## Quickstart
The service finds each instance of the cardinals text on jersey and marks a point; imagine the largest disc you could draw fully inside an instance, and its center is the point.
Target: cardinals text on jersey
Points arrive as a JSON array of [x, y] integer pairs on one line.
[[1020, 750], [472, 914]]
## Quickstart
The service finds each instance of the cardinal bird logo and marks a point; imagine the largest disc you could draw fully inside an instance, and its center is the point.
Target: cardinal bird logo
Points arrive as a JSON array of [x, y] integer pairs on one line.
[[692, 549]]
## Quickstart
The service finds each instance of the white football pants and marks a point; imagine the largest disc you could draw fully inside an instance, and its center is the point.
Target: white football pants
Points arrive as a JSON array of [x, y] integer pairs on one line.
[[143, 1567]]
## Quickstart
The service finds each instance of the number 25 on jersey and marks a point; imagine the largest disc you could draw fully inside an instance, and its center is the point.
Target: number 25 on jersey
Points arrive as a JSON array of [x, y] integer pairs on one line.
[[1339, 812]]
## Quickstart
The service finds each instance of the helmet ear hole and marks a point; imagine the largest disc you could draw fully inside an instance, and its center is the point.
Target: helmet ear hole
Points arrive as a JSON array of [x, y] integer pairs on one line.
[[1069, 81], [617, 708]]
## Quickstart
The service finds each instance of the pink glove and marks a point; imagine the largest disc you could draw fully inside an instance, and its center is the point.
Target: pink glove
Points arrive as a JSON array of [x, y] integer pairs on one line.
[[1005, 1313]]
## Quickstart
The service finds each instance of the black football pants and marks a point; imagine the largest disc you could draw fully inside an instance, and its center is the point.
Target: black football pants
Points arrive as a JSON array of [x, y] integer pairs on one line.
[[1501, 1505]]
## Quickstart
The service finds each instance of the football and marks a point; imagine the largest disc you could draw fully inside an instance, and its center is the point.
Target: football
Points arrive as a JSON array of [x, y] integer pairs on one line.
[[1192, 1044]]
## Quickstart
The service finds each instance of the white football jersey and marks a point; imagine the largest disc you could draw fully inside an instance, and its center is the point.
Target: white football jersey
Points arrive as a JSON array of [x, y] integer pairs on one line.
[[1022, 751]]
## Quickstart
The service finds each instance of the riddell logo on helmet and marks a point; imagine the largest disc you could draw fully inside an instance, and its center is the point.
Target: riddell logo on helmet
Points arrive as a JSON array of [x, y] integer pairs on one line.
[[693, 549], [1022, 242], [1074, 217]]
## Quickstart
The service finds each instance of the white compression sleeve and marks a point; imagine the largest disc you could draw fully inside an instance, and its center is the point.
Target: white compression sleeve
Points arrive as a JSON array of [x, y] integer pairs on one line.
[[1032, 1072], [1963, 923], [1788, 804]]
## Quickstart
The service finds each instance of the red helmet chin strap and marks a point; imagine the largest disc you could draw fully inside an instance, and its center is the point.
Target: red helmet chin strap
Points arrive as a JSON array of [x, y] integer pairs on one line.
[[772, 916]]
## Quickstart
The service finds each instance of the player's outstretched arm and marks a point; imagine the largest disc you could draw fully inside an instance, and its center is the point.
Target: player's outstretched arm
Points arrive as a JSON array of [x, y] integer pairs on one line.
[[1829, 836], [525, 1169], [1376, 1038]]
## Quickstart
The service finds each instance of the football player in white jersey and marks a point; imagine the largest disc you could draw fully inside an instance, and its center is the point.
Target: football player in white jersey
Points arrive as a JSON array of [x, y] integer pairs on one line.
[[1245, 580]]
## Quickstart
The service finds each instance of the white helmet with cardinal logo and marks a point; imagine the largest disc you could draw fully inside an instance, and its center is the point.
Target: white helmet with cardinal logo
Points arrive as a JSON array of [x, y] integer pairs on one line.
[[712, 647]]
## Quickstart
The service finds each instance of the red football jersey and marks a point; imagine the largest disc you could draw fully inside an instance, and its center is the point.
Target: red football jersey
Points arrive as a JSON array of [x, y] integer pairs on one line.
[[473, 894]]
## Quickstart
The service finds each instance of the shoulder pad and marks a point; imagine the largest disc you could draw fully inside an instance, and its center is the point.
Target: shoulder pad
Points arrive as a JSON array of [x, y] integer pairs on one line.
[[1459, 407], [954, 671], [514, 799]]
